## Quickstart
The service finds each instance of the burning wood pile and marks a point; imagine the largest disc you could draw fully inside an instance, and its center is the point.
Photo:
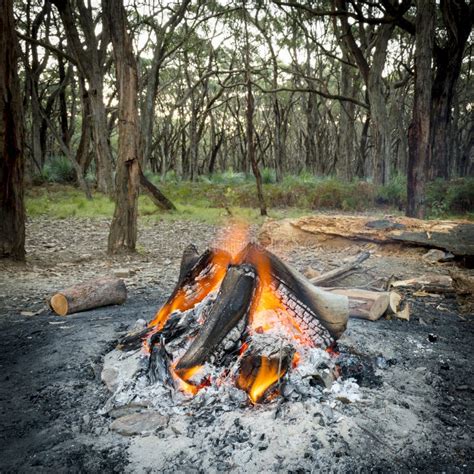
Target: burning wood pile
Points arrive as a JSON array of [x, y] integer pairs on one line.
[[242, 318]]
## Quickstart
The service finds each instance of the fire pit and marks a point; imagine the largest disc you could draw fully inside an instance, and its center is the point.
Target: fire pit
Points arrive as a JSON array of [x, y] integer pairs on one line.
[[240, 325]]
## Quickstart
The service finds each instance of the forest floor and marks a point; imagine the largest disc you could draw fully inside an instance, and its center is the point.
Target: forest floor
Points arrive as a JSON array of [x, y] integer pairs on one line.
[[419, 419]]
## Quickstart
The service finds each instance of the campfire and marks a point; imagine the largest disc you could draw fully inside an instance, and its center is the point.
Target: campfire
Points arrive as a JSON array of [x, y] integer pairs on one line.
[[238, 316]]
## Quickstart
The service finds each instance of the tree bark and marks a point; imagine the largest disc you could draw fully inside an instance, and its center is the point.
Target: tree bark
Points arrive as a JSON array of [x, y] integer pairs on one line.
[[123, 230], [419, 133], [12, 210]]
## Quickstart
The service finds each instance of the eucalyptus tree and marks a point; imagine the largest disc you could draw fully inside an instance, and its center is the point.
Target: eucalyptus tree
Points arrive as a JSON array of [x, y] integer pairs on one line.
[[123, 229], [89, 50], [12, 209]]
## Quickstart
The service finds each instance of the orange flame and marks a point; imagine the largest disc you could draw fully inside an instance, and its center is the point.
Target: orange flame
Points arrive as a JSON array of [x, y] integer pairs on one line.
[[183, 376], [268, 302], [234, 238], [182, 301], [267, 375]]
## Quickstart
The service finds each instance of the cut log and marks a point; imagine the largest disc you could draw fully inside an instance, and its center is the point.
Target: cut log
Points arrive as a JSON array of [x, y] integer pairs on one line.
[[231, 305], [329, 277], [89, 295], [395, 300], [263, 365], [431, 283], [365, 304]]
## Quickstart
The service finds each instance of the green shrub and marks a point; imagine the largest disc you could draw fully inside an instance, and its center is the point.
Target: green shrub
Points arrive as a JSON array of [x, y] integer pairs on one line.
[[229, 177], [394, 193], [450, 197], [460, 195], [58, 169], [268, 176]]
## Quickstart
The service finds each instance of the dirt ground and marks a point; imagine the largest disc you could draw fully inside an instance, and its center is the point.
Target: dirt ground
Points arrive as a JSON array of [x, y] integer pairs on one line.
[[419, 419]]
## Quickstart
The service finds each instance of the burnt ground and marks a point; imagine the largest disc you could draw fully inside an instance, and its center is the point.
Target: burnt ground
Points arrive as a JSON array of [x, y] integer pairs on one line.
[[419, 419]]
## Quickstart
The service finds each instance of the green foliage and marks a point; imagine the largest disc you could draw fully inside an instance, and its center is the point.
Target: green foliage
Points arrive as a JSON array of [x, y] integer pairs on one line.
[[228, 177], [58, 169], [268, 176], [450, 197], [394, 193]]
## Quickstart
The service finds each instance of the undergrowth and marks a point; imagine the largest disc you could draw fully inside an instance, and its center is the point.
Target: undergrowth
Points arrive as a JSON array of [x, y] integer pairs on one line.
[[221, 195]]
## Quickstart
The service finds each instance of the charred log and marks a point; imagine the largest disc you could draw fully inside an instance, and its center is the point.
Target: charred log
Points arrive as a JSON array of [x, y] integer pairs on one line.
[[159, 366], [188, 260], [232, 304]]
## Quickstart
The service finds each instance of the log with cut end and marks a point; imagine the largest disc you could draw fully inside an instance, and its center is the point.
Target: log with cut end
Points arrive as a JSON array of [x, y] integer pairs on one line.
[[263, 365], [365, 304], [92, 294]]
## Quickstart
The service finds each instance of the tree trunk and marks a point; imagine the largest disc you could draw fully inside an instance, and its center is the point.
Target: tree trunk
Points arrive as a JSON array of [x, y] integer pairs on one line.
[[419, 133], [102, 148], [381, 155], [155, 194], [123, 230], [83, 153], [346, 123], [251, 158], [12, 210], [458, 20]]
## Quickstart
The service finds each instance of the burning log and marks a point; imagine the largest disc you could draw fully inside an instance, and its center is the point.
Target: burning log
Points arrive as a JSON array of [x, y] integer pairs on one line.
[[246, 302], [231, 305], [320, 310], [92, 294], [188, 260], [263, 365], [201, 279]]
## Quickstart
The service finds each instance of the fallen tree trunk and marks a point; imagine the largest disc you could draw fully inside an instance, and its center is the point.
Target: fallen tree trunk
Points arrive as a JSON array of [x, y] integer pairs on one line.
[[433, 283], [365, 304], [92, 294], [158, 198]]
